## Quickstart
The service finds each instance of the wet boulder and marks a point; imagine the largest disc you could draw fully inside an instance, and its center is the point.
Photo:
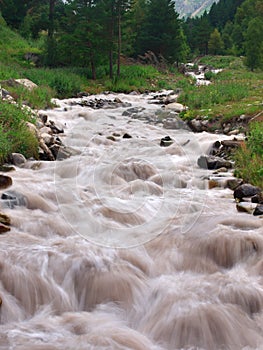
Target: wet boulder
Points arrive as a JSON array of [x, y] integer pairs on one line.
[[258, 198], [57, 128], [246, 190], [212, 163], [17, 159], [61, 152], [258, 210], [5, 182], [11, 199]]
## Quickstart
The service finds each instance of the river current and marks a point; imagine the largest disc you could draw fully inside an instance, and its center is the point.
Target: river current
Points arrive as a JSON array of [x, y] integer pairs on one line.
[[123, 246]]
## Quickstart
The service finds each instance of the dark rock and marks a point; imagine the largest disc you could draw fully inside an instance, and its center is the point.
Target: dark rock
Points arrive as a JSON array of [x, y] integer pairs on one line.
[[43, 118], [132, 111], [211, 163], [166, 141], [258, 198], [246, 190], [10, 199], [56, 128], [101, 103], [126, 136], [5, 182], [60, 152], [4, 228], [258, 210], [197, 125], [5, 93]]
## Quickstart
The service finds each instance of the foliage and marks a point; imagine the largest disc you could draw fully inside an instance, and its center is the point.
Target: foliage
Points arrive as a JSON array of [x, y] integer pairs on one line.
[[249, 159], [215, 43], [160, 31], [254, 44], [14, 134]]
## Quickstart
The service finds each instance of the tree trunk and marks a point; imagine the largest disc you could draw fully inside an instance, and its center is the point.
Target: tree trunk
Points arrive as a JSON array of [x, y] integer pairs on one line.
[[119, 43], [50, 38], [111, 37], [93, 67], [51, 19]]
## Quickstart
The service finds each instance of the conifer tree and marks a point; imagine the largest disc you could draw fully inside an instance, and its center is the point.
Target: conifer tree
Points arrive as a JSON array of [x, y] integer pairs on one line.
[[254, 44], [215, 43]]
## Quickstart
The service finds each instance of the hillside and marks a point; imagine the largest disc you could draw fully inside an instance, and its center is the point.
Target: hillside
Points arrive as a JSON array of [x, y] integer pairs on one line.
[[192, 8]]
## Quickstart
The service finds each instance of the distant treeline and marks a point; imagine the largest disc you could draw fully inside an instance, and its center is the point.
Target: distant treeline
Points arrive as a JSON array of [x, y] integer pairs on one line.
[[92, 33]]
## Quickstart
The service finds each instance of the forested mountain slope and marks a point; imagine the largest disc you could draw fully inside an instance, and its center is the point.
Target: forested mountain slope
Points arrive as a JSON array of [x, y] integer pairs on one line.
[[191, 8]]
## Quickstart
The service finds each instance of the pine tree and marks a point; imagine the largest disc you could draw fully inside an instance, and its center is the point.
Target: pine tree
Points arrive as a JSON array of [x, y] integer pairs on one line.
[[161, 31], [254, 44], [215, 43]]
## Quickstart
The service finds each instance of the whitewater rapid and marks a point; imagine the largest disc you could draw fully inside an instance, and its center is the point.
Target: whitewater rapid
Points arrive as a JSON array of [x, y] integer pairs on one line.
[[123, 246]]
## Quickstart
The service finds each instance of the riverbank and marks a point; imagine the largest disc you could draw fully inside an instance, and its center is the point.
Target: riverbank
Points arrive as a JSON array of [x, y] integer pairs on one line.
[[228, 105]]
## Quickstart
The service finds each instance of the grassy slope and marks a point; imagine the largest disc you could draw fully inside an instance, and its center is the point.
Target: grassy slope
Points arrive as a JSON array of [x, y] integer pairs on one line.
[[234, 91]]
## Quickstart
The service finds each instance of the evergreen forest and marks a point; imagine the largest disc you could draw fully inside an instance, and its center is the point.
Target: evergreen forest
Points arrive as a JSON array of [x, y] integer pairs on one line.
[[103, 33]]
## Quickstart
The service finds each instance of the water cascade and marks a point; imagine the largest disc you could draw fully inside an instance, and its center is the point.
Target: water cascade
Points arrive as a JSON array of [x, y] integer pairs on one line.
[[123, 246]]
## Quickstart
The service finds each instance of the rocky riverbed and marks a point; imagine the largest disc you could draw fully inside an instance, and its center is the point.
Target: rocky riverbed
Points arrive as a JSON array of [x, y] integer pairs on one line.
[[132, 239]]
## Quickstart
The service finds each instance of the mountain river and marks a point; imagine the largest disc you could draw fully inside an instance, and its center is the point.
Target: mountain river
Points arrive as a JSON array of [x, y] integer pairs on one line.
[[123, 246]]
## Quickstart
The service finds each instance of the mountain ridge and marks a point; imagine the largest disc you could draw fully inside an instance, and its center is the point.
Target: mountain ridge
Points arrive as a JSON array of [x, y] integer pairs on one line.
[[193, 8]]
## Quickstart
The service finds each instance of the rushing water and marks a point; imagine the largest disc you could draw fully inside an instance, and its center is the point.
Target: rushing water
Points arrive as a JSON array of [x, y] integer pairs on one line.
[[122, 246]]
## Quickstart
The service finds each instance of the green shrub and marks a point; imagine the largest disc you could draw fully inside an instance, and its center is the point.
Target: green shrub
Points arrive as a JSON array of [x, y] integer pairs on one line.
[[210, 75]]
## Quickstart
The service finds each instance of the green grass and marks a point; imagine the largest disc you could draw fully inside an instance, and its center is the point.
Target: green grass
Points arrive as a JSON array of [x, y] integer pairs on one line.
[[222, 62], [249, 159], [14, 134], [233, 92]]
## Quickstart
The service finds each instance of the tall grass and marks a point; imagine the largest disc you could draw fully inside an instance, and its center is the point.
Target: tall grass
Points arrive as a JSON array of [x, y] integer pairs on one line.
[[249, 159], [63, 81], [14, 134], [220, 93]]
